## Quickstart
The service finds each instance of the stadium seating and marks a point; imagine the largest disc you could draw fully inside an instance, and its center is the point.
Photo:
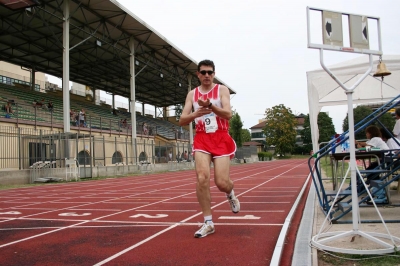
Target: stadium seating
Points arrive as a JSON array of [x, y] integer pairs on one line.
[[97, 116]]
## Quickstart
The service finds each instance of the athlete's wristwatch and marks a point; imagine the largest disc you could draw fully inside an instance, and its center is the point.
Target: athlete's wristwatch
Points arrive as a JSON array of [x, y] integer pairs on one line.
[[209, 106]]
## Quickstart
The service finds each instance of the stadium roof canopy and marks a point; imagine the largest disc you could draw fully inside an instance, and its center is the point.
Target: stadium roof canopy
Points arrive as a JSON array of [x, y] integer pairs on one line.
[[100, 33]]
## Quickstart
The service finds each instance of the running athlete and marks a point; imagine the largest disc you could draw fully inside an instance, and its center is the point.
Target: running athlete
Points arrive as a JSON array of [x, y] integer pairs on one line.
[[212, 142]]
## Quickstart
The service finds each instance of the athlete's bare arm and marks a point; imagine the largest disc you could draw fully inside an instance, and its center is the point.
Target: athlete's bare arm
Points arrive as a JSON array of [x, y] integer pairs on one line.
[[187, 115], [224, 112]]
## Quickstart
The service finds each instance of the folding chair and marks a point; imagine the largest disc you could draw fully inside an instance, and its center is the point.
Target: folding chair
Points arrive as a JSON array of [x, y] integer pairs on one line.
[[71, 169]]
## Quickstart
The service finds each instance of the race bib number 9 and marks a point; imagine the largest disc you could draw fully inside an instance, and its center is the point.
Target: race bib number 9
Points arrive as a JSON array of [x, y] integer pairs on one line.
[[210, 122]]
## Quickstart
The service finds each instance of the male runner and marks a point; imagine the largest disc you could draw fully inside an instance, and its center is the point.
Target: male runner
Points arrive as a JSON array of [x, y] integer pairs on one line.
[[212, 142]]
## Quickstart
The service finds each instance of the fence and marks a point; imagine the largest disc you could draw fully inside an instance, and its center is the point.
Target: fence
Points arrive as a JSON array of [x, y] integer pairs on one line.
[[246, 152], [23, 147]]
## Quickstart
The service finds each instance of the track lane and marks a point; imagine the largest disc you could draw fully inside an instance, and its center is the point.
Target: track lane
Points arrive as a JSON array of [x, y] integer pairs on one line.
[[248, 180]]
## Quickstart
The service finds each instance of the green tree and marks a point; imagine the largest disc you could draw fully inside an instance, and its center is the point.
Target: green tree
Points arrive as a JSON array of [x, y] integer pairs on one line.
[[360, 112], [235, 129], [280, 129], [246, 136], [326, 128]]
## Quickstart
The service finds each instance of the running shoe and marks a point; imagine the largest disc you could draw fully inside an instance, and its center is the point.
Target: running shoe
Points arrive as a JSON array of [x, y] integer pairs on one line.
[[234, 202], [206, 229]]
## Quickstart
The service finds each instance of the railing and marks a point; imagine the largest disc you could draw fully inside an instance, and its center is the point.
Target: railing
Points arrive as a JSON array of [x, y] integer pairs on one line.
[[324, 200], [27, 114]]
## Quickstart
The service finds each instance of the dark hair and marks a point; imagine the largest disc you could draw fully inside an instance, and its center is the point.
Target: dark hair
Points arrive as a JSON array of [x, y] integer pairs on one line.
[[397, 111], [206, 62], [386, 134], [374, 131]]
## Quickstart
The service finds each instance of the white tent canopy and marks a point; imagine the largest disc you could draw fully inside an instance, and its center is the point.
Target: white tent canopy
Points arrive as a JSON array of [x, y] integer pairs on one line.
[[324, 91]]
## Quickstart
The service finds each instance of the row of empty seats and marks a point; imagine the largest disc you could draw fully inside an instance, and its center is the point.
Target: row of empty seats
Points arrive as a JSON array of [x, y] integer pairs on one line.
[[97, 116]]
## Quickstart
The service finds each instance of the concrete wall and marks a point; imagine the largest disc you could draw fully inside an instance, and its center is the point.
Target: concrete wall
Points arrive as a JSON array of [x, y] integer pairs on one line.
[[16, 177]]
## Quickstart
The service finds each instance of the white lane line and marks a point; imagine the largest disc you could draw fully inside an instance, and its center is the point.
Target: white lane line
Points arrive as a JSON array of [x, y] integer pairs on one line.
[[280, 243], [250, 211], [84, 226], [141, 210], [52, 197], [31, 208], [106, 210], [37, 202], [285, 187], [13, 197], [261, 202], [139, 224], [283, 196], [184, 202], [274, 191], [138, 197], [96, 197]]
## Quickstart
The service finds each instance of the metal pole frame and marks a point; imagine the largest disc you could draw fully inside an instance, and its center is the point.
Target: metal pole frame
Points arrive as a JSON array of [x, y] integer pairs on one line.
[[321, 239]]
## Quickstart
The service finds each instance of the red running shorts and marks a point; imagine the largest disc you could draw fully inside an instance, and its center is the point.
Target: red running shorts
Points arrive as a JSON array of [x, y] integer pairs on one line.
[[218, 144]]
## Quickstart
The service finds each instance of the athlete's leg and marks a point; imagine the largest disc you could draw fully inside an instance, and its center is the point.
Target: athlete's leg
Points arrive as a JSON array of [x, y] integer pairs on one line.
[[202, 162], [221, 174], [224, 182]]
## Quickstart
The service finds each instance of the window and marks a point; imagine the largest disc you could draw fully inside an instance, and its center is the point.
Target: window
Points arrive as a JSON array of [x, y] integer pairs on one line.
[[117, 157], [142, 156], [83, 158]]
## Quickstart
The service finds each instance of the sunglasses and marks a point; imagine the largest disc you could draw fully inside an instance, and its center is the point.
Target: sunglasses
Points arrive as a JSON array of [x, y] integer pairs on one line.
[[204, 72]]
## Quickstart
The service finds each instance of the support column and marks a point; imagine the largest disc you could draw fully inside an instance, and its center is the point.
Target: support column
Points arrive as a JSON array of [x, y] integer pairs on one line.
[[143, 109], [113, 101], [33, 74], [94, 95], [65, 77], [191, 123], [133, 97], [165, 113]]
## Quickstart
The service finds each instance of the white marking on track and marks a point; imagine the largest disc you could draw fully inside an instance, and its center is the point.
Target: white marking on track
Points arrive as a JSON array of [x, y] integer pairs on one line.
[[182, 202], [246, 217], [11, 212], [241, 211], [283, 196], [74, 214], [111, 210], [272, 202], [274, 191], [149, 216], [141, 210]]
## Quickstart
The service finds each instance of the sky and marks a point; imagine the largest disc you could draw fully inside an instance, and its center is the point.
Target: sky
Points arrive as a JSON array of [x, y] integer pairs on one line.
[[259, 47]]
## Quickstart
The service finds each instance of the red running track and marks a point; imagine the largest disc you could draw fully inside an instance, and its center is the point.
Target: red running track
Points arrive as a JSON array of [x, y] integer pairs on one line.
[[149, 220]]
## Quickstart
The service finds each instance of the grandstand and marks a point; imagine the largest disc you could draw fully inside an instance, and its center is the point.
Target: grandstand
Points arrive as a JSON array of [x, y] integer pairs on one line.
[[97, 117]]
